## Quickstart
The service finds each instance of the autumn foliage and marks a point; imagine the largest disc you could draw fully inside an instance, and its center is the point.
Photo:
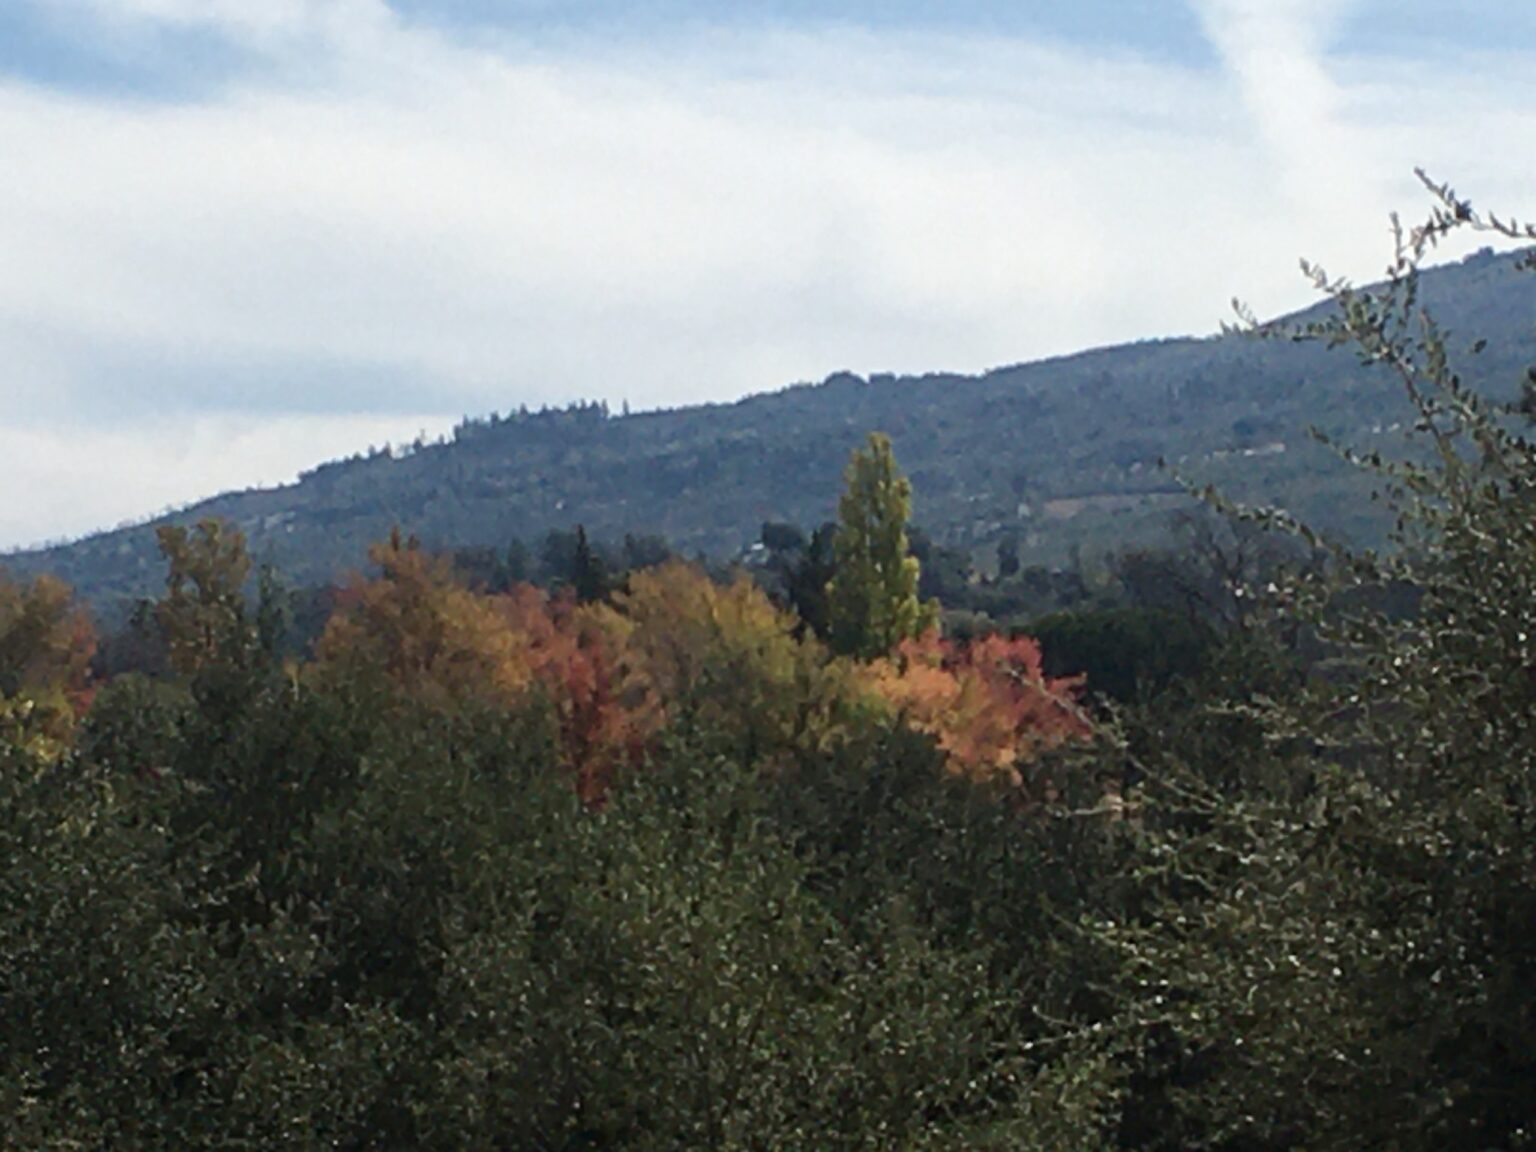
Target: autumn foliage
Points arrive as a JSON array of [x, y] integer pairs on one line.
[[675, 646], [725, 659], [441, 644], [582, 669], [46, 645], [433, 639], [987, 703]]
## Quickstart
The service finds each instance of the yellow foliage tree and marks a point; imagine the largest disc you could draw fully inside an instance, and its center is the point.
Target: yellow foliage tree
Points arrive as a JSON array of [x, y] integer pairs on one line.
[[725, 656], [46, 645]]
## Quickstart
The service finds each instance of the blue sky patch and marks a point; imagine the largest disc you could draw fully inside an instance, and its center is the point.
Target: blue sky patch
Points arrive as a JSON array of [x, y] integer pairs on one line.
[[79, 54]]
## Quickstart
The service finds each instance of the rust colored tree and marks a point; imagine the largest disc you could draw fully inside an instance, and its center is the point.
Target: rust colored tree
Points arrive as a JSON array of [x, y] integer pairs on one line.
[[987, 703]]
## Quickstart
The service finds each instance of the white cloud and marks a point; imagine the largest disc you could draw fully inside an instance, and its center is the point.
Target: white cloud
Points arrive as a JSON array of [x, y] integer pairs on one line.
[[1275, 53], [77, 479], [667, 222], [258, 24]]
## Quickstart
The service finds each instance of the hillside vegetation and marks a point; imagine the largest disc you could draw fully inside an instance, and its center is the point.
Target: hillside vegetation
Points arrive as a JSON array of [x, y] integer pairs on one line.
[[1062, 455]]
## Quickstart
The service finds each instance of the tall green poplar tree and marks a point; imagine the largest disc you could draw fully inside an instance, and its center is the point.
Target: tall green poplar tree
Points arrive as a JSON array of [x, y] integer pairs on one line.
[[873, 602]]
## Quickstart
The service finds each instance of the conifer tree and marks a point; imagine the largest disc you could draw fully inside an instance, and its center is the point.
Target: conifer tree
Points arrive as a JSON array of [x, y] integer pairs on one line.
[[873, 603], [589, 575]]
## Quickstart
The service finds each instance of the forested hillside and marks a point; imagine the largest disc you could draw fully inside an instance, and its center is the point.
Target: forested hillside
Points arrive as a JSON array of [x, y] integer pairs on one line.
[[669, 862], [1059, 455], [664, 860]]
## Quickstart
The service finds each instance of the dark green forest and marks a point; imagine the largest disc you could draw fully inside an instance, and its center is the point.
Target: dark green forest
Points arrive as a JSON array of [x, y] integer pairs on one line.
[[857, 845]]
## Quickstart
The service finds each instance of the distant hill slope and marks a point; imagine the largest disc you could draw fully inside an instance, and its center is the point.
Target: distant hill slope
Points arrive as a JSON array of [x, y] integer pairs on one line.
[[1062, 453]]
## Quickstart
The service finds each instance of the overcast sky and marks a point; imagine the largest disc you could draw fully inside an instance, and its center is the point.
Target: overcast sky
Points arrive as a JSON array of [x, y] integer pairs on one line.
[[239, 237]]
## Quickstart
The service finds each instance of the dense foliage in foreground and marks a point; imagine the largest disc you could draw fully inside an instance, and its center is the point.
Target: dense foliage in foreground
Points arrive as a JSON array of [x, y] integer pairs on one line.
[[504, 870]]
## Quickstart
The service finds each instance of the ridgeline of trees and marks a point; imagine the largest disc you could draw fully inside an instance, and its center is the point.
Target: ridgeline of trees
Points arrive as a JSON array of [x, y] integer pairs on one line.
[[1042, 461], [654, 858]]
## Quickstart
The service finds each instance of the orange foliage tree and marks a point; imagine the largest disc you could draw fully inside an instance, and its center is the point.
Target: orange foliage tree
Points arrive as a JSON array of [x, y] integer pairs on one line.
[[605, 710], [435, 640], [443, 645], [987, 703]]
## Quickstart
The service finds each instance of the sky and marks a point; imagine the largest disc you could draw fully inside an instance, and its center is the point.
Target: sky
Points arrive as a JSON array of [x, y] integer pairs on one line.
[[241, 237]]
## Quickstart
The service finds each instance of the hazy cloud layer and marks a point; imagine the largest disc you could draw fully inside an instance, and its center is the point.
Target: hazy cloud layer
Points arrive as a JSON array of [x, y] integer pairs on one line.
[[373, 224]]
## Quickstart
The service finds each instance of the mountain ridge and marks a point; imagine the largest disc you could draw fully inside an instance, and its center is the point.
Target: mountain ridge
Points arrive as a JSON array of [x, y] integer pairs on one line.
[[1060, 454]]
